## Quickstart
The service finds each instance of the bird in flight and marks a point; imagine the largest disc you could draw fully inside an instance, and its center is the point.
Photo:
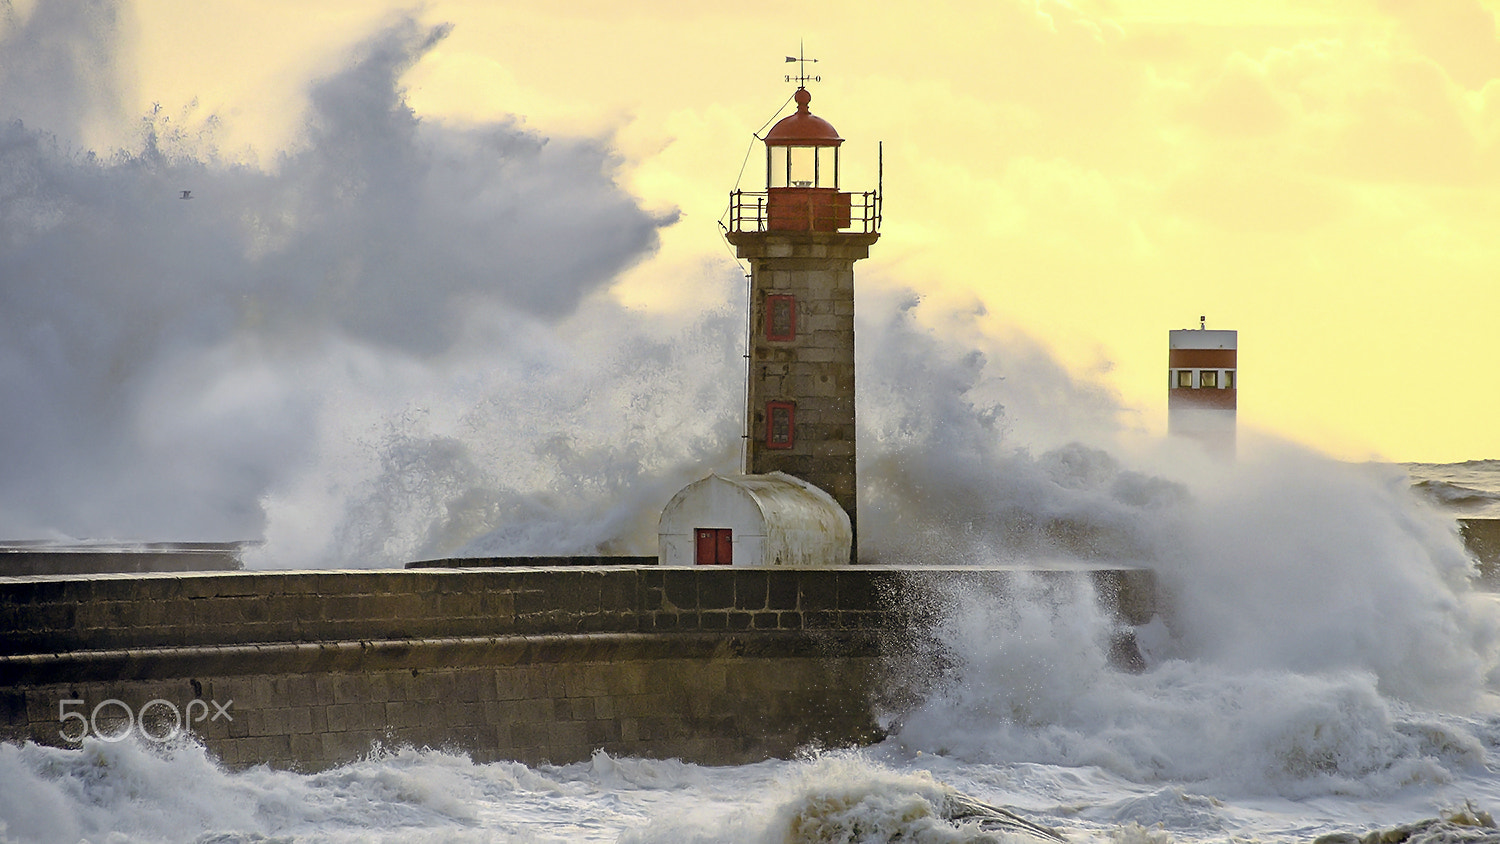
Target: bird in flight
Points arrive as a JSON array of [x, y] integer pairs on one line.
[[187, 194]]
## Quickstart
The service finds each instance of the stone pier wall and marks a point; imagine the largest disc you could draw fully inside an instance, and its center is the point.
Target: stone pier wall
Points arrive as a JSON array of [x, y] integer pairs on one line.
[[22, 559], [309, 669]]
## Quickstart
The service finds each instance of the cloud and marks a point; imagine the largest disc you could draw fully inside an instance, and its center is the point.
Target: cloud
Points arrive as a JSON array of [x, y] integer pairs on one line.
[[1352, 109], [1240, 102], [1459, 35]]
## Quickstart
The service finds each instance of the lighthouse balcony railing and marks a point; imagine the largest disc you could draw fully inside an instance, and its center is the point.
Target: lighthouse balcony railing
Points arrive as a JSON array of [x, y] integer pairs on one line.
[[793, 209]]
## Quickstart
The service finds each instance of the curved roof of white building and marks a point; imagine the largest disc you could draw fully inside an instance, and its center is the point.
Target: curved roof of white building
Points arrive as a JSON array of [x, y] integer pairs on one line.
[[798, 523]]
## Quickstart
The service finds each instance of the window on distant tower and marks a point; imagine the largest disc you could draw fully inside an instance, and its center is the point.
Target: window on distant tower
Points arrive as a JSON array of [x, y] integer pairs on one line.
[[781, 318], [1208, 379], [780, 426], [1183, 378], [1229, 379]]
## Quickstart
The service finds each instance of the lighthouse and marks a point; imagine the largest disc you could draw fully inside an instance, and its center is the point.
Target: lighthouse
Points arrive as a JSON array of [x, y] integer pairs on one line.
[[1202, 386], [796, 501], [801, 237]]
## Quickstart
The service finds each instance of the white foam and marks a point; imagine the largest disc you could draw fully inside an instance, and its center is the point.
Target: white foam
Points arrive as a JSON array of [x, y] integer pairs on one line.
[[1321, 639]]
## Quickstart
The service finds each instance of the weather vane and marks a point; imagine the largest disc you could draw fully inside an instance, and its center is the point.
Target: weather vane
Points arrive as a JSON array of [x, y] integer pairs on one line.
[[802, 78]]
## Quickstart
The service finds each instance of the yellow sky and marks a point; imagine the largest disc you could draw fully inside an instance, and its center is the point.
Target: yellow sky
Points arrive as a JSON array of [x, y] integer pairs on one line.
[[1321, 176]]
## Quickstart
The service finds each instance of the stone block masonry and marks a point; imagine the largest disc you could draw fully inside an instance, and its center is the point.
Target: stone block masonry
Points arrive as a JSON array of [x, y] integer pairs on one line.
[[309, 669]]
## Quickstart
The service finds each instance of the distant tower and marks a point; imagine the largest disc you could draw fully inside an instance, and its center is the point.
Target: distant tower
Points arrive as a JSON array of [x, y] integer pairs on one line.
[[1202, 386], [802, 236]]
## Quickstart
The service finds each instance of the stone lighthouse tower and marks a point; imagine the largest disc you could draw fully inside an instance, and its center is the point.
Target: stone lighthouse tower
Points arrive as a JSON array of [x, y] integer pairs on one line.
[[801, 236]]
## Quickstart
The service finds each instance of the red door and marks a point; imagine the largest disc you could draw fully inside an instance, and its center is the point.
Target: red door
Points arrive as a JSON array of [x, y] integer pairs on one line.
[[715, 547]]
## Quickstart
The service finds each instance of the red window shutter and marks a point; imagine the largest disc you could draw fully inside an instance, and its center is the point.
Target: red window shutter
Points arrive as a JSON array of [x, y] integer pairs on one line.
[[781, 424]]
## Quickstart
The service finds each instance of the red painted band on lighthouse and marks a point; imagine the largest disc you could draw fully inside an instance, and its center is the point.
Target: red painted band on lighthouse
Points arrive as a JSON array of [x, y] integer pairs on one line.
[[1201, 359]]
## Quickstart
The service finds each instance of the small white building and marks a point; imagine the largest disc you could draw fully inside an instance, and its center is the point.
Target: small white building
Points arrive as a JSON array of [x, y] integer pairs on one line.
[[754, 520]]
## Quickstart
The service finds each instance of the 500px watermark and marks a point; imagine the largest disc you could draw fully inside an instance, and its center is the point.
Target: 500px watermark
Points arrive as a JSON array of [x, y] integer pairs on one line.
[[118, 720]]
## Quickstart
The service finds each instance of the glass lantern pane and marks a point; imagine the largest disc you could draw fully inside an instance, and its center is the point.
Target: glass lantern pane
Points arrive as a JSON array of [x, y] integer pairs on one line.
[[803, 172], [776, 177]]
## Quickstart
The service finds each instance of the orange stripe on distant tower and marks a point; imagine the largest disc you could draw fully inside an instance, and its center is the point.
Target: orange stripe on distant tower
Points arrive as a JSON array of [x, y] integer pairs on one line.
[[1201, 358]]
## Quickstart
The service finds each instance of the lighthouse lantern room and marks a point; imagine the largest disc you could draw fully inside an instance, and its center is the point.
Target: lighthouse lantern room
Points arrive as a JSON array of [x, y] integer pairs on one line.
[[802, 173], [802, 182]]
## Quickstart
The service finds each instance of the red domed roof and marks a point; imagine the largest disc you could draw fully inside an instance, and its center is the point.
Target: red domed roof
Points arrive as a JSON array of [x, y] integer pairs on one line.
[[803, 129]]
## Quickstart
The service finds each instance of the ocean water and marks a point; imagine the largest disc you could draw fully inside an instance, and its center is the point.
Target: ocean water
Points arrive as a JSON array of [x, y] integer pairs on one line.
[[1470, 489]]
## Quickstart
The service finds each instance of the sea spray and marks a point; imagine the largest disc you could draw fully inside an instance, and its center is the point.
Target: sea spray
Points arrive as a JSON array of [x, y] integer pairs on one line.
[[1291, 561], [562, 450], [172, 364], [1247, 731], [977, 447], [1299, 655]]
